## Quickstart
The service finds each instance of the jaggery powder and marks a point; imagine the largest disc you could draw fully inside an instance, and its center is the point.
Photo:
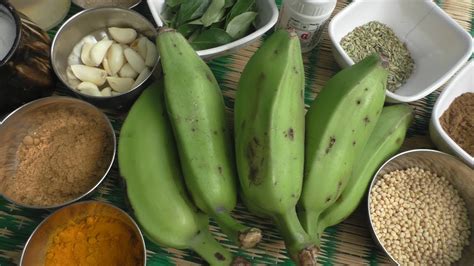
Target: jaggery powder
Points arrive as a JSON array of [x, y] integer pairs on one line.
[[62, 155], [95, 240], [458, 121]]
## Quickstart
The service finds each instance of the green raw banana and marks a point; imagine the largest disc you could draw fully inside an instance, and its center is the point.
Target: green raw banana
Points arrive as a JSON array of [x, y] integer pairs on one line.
[[385, 140], [149, 163], [338, 125], [196, 109], [269, 138]]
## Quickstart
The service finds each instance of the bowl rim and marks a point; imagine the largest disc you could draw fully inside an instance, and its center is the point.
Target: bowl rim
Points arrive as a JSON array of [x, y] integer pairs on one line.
[[129, 7], [110, 164], [434, 85], [229, 46], [70, 21], [375, 179], [86, 202], [436, 113]]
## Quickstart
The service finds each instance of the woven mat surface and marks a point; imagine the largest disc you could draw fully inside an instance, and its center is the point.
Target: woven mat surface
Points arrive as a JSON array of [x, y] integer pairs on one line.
[[347, 243]]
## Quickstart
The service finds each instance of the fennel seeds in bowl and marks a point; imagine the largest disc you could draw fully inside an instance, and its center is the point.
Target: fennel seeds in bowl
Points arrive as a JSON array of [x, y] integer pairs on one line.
[[376, 37]]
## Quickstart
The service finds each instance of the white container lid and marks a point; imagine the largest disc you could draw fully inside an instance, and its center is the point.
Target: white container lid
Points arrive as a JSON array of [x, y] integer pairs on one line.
[[312, 8]]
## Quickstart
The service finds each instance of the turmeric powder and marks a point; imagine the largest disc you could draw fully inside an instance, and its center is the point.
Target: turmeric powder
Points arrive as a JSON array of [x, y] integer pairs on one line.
[[95, 240]]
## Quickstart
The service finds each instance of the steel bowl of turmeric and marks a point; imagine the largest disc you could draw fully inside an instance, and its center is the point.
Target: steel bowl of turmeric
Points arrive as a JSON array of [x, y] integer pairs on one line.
[[54, 151], [86, 233]]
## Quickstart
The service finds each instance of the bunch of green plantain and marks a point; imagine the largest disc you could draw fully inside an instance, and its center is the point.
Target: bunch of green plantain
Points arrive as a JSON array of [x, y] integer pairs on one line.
[[305, 172]]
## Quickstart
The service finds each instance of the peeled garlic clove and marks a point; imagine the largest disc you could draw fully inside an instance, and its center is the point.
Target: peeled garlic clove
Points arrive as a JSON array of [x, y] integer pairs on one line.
[[127, 72], [85, 54], [139, 45], [69, 73], [90, 74], [115, 58], [120, 84], [89, 89], [114, 93], [143, 75], [134, 59], [75, 56], [87, 85], [107, 92], [99, 50], [151, 54], [72, 80], [106, 66], [123, 35]]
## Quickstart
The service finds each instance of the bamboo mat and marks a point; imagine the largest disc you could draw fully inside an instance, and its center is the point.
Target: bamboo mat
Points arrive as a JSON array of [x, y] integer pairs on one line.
[[346, 243]]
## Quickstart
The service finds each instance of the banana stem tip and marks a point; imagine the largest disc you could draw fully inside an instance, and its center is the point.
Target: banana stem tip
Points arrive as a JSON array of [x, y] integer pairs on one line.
[[165, 29], [250, 238], [308, 256]]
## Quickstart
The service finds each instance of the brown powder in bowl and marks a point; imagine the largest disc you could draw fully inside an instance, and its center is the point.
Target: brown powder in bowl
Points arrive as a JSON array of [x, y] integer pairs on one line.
[[63, 155], [458, 121]]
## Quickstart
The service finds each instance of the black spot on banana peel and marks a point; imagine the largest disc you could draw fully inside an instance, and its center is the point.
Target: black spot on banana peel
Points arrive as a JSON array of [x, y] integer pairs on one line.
[[219, 256], [291, 133], [332, 141]]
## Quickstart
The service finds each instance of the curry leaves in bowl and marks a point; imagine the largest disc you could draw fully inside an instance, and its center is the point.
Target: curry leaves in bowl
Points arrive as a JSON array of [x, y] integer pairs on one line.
[[210, 23]]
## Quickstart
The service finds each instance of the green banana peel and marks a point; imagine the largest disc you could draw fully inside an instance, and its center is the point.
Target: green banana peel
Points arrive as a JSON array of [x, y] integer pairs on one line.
[[338, 125], [149, 163], [385, 141], [195, 106], [269, 138]]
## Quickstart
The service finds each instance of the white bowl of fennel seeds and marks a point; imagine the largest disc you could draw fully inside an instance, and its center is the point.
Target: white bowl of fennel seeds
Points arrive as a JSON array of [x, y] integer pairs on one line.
[[437, 45]]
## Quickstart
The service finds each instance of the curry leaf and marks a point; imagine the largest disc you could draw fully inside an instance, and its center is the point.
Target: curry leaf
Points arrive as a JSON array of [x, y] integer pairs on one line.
[[191, 10], [240, 7], [210, 38], [213, 13], [187, 29], [229, 3], [239, 25], [173, 3]]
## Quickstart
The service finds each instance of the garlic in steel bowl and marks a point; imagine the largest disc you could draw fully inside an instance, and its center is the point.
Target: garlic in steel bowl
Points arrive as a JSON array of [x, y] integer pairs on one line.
[[107, 62], [111, 66]]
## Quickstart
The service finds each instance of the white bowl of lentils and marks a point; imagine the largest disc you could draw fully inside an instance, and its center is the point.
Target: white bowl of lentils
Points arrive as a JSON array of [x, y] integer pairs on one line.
[[421, 209]]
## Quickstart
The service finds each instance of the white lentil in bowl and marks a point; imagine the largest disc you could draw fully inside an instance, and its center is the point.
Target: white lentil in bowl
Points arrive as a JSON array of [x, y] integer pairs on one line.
[[421, 209]]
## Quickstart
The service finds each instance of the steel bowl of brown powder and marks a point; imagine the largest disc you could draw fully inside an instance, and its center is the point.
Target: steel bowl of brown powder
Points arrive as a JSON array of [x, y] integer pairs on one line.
[[54, 151]]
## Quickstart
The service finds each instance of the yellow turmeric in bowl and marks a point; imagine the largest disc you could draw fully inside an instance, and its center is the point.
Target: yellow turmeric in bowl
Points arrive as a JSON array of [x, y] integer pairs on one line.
[[95, 240]]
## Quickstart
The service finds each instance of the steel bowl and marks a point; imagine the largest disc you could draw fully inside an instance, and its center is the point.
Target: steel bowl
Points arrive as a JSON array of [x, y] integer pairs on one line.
[[17, 125], [35, 248], [86, 4], [443, 164], [95, 22]]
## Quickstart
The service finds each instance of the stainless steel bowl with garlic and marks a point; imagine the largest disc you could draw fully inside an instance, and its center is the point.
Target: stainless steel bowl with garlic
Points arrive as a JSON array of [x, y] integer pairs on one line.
[[105, 55]]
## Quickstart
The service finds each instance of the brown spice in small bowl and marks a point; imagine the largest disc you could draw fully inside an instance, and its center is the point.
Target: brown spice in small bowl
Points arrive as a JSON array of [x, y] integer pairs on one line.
[[63, 155], [458, 121]]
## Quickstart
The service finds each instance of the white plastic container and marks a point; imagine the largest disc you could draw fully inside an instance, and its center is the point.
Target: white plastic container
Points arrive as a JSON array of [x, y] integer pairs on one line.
[[437, 43], [308, 18]]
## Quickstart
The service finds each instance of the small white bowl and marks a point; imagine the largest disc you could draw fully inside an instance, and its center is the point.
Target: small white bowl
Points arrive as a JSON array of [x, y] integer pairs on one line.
[[463, 82], [438, 45], [266, 19]]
